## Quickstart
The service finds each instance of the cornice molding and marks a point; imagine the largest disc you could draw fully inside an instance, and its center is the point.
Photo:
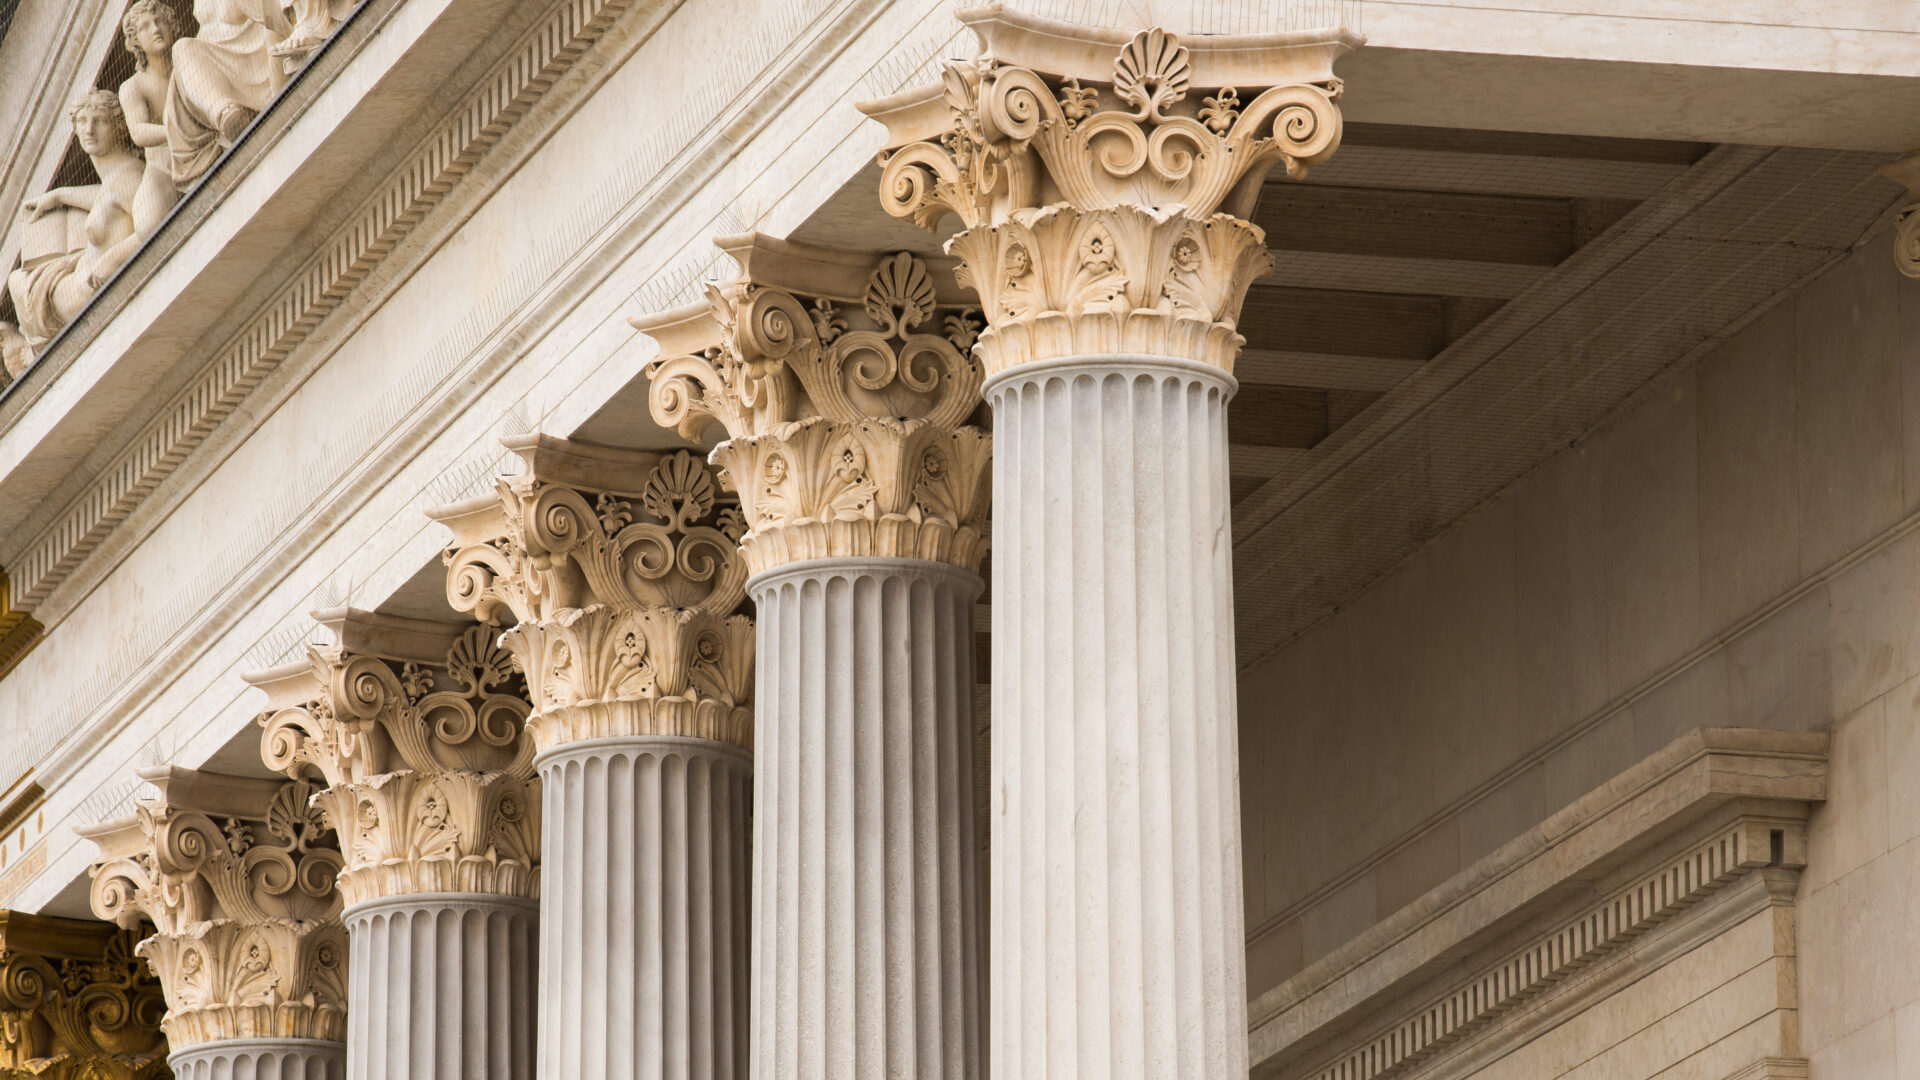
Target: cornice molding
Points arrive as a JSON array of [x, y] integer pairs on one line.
[[370, 234], [1715, 807]]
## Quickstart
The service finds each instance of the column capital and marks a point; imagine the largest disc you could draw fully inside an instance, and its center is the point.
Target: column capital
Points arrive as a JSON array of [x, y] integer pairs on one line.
[[1906, 229], [844, 382], [1103, 180], [75, 1002], [623, 571], [237, 876], [415, 730]]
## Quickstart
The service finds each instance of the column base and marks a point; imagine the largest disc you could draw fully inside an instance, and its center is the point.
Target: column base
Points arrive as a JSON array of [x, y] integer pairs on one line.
[[261, 1059]]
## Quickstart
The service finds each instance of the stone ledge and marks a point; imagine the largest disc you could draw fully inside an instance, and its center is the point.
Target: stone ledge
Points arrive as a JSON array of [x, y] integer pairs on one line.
[[1747, 788]]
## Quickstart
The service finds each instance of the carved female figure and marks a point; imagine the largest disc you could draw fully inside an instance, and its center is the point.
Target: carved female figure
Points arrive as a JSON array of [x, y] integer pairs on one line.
[[150, 28], [222, 77], [49, 294]]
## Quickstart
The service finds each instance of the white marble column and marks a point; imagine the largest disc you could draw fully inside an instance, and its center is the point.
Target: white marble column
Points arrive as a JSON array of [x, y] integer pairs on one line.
[[441, 987], [1116, 895], [844, 380], [416, 729], [261, 1059], [867, 926], [621, 570], [644, 945], [1102, 187]]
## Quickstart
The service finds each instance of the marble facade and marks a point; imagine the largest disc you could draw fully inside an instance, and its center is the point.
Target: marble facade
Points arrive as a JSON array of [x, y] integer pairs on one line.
[[871, 539]]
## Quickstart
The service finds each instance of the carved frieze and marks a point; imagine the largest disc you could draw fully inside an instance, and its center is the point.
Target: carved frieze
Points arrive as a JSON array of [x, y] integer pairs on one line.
[[76, 1003], [844, 383], [1103, 182], [414, 731], [623, 573], [237, 877]]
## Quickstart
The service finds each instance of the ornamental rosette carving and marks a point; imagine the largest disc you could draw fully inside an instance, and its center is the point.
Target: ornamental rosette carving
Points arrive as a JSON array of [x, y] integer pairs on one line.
[[76, 1003], [622, 574], [1108, 214], [845, 407], [237, 878], [427, 777]]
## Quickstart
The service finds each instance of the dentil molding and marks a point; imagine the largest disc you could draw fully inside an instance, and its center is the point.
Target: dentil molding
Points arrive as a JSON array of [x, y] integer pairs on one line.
[[416, 730], [76, 1003], [844, 382], [623, 572], [1103, 181], [237, 877]]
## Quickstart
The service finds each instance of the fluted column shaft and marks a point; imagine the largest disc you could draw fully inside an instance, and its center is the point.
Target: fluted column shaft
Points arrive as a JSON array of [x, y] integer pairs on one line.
[[644, 926], [866, 924], [1116, 879], [261, 1059], [441, 986]]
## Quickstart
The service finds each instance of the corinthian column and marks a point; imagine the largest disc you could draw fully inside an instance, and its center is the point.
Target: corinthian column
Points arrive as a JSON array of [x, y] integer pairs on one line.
[[414, 729], [843, 383], [1102, 182], [76, 1003], [621, 571], [237, 877]]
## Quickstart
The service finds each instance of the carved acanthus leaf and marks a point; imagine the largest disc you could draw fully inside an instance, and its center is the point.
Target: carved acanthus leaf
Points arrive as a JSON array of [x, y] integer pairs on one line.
[[249, 941]]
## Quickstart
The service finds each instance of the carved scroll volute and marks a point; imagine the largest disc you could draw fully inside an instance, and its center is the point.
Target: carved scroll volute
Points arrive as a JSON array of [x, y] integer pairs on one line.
[[1105, 212], [238, 878], [883, 379], [1906, 228], [76, 1003]]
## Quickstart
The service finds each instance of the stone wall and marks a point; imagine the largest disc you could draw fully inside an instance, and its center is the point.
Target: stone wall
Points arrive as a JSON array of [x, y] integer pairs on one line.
[[1737, 546]]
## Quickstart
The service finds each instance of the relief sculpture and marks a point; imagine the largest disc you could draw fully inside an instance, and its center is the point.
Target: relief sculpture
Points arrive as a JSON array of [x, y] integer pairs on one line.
[[189, 99]]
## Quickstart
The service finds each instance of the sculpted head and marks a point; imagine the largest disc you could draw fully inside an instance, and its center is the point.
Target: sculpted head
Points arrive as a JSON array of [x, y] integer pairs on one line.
[[99, 123], [150, 27]]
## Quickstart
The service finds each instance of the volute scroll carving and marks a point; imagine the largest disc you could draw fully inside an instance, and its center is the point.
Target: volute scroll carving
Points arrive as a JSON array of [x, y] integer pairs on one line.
[[620, 575], [1906, 223], [237, 877], [1104, 208], [844, 383], [415, 730], [76, 1003]]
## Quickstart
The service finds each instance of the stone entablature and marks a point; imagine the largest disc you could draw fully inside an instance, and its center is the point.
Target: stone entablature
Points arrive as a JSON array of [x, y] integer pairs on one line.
[[844, 382], [76, 1003], [1103, 180], [1703, 840], [415, 729], [237, 876], [623, 572]]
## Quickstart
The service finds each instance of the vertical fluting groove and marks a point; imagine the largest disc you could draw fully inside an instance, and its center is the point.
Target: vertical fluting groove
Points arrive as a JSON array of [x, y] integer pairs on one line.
[[261, 1059], [440, 987], [867, 932], [1115, 879], [644, 910]]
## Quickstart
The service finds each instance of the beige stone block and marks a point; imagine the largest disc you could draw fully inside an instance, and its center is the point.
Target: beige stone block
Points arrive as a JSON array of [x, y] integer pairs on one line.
[[1695, 696], [1857, 940], [1420, 864], [1468, 660], [1779, 673], [1850, 828], [1502, 814], [1335, 920], [1876, 639], [1907, 354], [1901, 707], [1867, 1054], [1731, 1058], [1560, 614], [1273, 958], [1586, 762], [1906, 1040], [1649, 499], [1749, 488], [1689, 1027], [1848, 434]]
